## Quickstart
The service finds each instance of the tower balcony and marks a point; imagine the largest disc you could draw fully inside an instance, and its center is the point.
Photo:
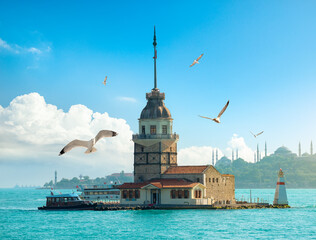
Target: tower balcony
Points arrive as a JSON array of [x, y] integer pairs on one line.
[[155, 136]]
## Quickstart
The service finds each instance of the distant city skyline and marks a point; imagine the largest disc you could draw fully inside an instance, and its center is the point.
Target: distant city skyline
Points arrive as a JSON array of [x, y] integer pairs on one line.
[[258, 55]]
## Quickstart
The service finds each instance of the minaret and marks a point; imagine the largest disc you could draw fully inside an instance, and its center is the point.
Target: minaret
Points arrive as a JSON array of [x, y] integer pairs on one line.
[[254, 157], [299, 149], [236, 153], [232, 155], [216, 155], [258, 157], [280, 197], [213, 158], [55, 178], [312, 148], [155, 146], [265, 150]]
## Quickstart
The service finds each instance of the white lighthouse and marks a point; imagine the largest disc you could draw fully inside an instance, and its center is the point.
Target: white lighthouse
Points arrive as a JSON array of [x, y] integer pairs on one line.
[[280, 197]]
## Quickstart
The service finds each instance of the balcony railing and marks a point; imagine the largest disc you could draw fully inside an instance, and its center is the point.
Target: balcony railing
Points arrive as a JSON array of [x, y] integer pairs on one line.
[[155, 136]]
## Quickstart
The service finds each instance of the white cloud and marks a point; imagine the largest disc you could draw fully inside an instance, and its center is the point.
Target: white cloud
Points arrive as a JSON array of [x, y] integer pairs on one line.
[[127, 99], [15, 48], [203, 155], [34, 50], [197, 155], [244, 151], [3, 44], [32, 129]]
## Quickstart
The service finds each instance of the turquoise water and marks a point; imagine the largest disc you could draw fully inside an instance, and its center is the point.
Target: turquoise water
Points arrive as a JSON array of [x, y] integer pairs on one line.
[[20, 219]]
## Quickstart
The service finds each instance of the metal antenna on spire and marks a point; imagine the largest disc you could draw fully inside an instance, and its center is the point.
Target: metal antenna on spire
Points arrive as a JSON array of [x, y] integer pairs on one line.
[[155, 57]]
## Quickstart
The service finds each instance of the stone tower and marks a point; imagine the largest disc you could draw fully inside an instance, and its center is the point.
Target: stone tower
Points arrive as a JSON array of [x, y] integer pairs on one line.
[[312, 148], [155, 146]]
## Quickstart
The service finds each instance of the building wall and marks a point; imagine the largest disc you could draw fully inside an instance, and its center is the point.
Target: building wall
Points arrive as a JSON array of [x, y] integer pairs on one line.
[[221, 189], [165, 197], [150, 162], [137, 201], [158, 123], [218, 187]]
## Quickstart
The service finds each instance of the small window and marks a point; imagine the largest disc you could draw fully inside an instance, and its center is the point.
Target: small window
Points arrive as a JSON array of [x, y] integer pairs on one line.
[[173, 194], [137, 194], [217, 180], [130, 194], [198, 193], [164, 129], [198, 179], [209, 180], [124, 194], [186, 193], [153, 129], [143, 129], [213, 180], [180, 194], [142, 149]]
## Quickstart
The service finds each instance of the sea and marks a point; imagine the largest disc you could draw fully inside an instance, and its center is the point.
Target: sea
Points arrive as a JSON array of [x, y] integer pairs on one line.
[[20, 219]]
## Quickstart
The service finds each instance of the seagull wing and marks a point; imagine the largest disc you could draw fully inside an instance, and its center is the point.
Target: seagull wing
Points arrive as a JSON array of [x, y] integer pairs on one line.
[[223, 110], [259, 133], [193, 64], [206, 117], [199, 57], [104, 133], [253, 134], [73, 144]]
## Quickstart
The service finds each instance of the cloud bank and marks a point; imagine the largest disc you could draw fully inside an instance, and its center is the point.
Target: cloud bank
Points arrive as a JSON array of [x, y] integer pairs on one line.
[[32, 130]]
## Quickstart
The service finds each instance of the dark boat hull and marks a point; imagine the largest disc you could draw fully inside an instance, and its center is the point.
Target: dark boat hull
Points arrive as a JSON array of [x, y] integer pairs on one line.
[[77, 207]]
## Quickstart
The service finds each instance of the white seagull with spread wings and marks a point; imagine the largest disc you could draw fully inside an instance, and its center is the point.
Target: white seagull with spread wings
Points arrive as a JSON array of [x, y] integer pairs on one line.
[[197, 60], [88, 144], [256, 135], [219, 115], [104, 82]]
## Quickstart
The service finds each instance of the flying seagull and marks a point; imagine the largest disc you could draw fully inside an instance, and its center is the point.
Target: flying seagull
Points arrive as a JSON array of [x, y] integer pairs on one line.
[[219, 115], [104, 82], [197, 60], [256, 135], [88, 144]]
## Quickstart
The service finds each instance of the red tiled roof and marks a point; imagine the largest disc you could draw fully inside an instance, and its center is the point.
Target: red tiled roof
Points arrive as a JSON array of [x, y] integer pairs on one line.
[[227, 175], [161, 183], [185, 169]]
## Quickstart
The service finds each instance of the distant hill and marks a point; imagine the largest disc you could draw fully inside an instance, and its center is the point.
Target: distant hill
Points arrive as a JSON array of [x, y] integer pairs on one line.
[[300, 172], [115, 178]]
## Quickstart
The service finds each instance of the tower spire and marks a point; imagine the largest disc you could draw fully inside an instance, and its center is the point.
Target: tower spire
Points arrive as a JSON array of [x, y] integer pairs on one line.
[[312, 148], [155, 58]]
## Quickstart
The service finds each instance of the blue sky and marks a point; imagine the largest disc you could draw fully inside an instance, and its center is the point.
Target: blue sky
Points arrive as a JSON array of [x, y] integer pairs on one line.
[[260, 55]]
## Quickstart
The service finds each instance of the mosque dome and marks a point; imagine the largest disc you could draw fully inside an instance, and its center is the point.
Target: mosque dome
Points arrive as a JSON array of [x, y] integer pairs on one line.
[[282, 151], [155, 107]]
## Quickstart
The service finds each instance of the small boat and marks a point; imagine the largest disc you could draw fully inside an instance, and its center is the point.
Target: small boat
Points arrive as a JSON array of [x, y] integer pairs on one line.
[[67, 202]]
